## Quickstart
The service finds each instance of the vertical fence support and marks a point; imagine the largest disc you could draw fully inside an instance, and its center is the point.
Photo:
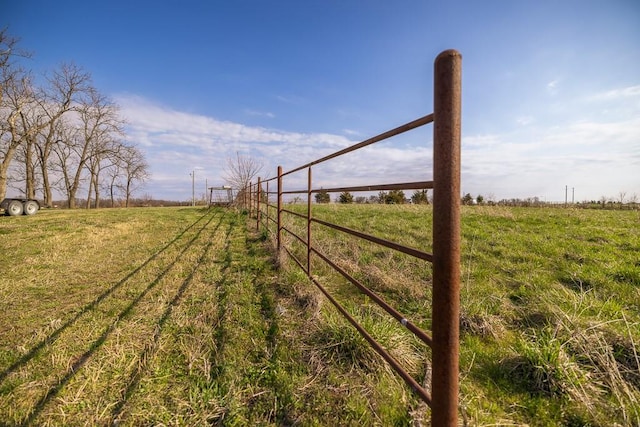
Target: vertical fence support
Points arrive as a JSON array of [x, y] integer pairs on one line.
[[245, 201], [266, 205], [258, 191], [250, 200], [446, 237], [309, 222], [279, 217]]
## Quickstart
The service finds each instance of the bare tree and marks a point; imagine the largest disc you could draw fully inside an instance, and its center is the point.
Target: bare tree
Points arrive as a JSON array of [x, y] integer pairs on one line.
[[17, 101], [103, 156], [113, 181], [9, 49], [622, 195], [61, 135], [29, 117], [99, 124], [136, 171], [65, 85], [15, 94], [603, 201], [240, 171]]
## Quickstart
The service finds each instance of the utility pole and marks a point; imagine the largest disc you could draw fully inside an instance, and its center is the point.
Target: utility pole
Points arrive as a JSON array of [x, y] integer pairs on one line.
[[566, 190], [573, 195], [193, 188]]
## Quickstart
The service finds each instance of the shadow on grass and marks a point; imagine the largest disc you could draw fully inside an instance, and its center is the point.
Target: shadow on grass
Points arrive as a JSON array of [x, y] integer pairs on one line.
[[54, 335], [150, 350], [82, 359], [221, 334]]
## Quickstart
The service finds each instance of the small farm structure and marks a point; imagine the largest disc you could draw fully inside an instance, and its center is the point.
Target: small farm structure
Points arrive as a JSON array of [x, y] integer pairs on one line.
[[221, 196]]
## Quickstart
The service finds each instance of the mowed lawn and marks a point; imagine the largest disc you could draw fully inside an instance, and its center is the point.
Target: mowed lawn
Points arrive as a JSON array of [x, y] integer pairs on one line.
[[133, 317], [177, 316]]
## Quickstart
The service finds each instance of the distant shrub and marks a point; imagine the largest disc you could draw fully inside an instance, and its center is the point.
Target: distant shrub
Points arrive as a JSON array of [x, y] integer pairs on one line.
[[420, 197], [345, 197], [323, 196]]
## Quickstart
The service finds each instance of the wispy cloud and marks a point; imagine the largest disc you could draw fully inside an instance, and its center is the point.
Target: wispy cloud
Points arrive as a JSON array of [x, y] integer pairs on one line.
[[267, 114], [621, 93], [524, 120], [290, 99], [600, 158]]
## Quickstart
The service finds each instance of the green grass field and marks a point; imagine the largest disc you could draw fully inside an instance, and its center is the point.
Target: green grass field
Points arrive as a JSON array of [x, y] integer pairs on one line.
[[178, 316]]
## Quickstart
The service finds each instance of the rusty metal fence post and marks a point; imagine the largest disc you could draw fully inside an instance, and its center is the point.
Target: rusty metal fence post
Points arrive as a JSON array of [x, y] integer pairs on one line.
[[250, 199], [247, 199], [266, 204], [309, 192], [258, 191], [446, 238], [279, 215]]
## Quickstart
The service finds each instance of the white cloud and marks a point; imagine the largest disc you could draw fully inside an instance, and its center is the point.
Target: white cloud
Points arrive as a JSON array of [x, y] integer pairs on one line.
[[598, 157], [156, 125], [175, 142]]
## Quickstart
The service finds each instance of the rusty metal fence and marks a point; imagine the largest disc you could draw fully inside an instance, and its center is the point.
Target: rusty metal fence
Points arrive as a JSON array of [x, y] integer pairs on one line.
[[445, 259]]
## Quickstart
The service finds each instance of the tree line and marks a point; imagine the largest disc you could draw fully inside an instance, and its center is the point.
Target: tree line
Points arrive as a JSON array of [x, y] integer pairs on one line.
[[393, 197], [62, 135]]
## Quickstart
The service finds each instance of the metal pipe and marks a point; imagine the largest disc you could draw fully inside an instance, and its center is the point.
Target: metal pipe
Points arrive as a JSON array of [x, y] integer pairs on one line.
[[383, 242], [446, 238], [258, 204], [422, 185], [279, 233], [417, 388], [309, 222], [378, 300], [393, 132], [266, 204]]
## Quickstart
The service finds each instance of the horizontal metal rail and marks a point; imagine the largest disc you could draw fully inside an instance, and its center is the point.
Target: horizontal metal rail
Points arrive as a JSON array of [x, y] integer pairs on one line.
[[297, 261], [392, 245], [382, 303], [421, 185], [272, 220], [300, 239], [385, 135], [294, 213], [417, 388]]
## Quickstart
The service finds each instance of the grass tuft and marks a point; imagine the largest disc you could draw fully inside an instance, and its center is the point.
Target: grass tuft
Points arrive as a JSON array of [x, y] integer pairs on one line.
[[335, 341]]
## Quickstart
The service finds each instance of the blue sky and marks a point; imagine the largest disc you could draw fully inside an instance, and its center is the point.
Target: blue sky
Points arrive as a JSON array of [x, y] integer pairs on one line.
[[551, 89]]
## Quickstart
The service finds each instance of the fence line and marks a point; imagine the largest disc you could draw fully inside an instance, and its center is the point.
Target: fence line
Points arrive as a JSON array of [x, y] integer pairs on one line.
[[445, 259]]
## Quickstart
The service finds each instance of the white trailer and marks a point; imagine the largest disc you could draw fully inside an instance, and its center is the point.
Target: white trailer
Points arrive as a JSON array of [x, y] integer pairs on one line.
[[15, 207]]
